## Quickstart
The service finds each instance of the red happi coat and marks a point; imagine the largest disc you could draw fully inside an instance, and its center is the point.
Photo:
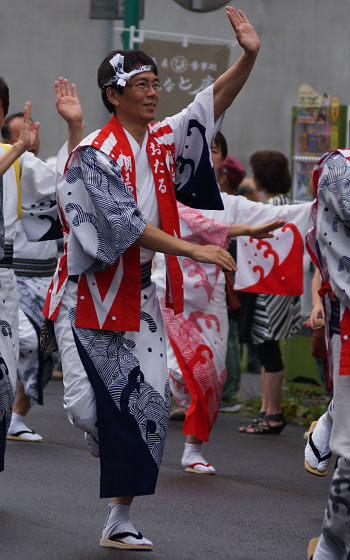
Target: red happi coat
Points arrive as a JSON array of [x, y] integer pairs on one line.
[[110, 299]]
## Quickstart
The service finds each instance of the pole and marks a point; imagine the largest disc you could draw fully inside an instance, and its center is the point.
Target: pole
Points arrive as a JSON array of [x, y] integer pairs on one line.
[[131, 17]]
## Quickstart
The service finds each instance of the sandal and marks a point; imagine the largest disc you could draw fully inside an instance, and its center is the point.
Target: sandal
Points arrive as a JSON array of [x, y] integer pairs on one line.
[[201, 468], [264, 427], [326, 457], [312, 547], [256, 421], [127, 541]]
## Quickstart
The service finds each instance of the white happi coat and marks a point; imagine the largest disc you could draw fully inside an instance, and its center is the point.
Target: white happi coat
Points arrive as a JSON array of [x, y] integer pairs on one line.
[[30, 196]]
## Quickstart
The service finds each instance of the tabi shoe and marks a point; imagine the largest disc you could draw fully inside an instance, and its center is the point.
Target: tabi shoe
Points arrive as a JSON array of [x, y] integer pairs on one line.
[[312, 547], [193, 461], [117, 535], [92, 444], [326, 457], [24, 434]]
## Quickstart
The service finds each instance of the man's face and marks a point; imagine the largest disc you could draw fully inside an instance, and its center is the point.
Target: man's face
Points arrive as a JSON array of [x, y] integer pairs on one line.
[[138, 106], [2, 114], [216, 155], [15, 130]]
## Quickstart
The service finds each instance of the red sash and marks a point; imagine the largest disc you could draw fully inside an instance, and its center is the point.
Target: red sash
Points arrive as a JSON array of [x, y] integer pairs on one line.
[[124, 313]]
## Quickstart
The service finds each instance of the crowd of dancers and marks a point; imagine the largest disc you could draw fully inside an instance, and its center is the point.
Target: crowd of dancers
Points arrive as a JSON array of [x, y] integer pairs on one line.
[[131, 193]]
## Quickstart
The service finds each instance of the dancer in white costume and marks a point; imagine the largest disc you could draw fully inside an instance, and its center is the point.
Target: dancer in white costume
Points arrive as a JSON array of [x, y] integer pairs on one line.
[[114, 314], [34, 264]]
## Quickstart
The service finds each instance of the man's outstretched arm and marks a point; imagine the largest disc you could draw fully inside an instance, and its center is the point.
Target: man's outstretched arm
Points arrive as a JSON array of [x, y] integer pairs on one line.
[[229, 84]]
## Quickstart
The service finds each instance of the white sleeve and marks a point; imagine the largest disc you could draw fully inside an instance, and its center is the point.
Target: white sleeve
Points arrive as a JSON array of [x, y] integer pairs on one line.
[[243, 211], [193, 131], [202, 110], [38, 198]]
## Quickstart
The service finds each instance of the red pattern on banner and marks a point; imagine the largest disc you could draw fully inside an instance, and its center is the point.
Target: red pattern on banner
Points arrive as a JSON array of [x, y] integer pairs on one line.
[[278, 279]]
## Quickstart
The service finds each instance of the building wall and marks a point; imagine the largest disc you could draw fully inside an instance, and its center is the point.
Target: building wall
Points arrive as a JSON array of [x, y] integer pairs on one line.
[[302, 41]]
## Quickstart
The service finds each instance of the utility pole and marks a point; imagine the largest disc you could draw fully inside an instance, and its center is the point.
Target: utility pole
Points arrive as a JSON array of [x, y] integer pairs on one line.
[[131, 17]]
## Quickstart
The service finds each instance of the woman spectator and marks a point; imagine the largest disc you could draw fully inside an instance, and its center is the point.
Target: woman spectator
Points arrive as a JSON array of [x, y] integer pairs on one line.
[[275, 316]]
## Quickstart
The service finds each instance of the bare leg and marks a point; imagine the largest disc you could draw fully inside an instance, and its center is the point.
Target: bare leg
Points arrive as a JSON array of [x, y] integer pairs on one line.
[[274, 382], [125, 500], [193, 439], [22, 402], [263, 390]]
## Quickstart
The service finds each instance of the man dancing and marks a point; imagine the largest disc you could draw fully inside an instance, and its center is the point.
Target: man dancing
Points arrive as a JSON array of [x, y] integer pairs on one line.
[[118, 190]]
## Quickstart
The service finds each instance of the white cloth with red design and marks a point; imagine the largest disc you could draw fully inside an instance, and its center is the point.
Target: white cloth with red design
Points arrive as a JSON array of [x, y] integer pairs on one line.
[[198, 337], [271, 266]]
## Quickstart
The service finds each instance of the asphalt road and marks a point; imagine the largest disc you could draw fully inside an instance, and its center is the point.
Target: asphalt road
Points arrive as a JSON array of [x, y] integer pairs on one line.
[[261, 505]]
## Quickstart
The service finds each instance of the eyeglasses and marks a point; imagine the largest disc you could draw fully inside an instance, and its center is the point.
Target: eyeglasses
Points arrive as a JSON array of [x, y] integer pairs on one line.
[[141, 86]]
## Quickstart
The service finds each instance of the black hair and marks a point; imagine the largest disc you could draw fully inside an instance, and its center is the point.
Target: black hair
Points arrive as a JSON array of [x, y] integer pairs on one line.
[[5, 129], [4, 95], [220, 141], [271, 171], [132, 59]]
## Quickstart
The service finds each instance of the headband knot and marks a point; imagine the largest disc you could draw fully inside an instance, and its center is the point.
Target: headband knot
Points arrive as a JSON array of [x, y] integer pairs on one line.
[[120, 77]]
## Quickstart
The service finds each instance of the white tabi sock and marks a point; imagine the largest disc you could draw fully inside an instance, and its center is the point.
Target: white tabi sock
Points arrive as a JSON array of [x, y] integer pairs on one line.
[[331, 410], [192, 455], [17, 426], [320, 437], [118, 521], [325, 552], [92, 444]]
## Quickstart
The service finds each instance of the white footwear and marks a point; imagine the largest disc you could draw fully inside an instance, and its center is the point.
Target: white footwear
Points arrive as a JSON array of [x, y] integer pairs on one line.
[[317, 451], [20, 432], [233, 408], [92, 444], [193, 461], [119, 532]]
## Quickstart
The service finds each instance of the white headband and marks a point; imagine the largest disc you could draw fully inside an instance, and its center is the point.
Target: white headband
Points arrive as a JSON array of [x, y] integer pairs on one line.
[[121, 77]]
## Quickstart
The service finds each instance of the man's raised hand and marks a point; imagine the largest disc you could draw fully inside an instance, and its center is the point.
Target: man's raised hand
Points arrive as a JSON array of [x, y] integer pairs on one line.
[[245, 32], [29, 131], [67, 101]]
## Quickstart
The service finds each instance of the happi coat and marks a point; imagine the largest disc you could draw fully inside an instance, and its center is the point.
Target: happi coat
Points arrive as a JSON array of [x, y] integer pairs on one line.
[[27, 191], [110, 189], [328, 244]]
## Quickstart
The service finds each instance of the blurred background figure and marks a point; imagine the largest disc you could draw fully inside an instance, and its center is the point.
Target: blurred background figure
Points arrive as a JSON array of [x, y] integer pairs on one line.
[[11, 129], [34, 264], [275, 316], [230, 173], [247, 188]]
